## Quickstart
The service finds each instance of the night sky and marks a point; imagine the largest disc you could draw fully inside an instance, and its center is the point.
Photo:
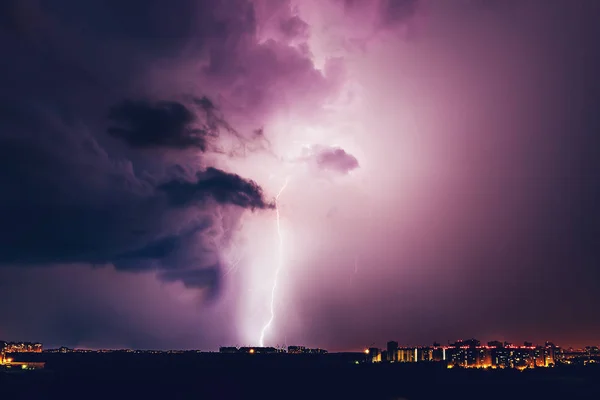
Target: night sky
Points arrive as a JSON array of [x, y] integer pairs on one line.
[[442, 161]]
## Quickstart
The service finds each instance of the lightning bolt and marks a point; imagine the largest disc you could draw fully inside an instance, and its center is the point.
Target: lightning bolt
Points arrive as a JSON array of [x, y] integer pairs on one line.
[[279, 264]]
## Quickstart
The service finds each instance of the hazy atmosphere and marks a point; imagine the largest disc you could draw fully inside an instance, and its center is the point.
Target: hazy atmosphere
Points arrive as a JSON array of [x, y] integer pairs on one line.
[[415, 170]]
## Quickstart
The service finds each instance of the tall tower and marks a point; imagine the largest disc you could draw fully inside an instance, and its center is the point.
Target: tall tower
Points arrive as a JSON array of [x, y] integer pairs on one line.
[[2, 351], [392, 351]]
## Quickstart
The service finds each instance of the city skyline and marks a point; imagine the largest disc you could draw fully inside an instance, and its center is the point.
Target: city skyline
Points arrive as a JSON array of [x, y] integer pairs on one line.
[[464, 353], [329, 173], [34, 346]]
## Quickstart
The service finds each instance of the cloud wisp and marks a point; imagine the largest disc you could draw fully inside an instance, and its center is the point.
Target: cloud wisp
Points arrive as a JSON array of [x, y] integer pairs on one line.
[[329, 159]]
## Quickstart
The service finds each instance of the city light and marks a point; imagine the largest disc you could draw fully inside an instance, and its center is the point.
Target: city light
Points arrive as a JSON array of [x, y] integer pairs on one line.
[[461, 354]]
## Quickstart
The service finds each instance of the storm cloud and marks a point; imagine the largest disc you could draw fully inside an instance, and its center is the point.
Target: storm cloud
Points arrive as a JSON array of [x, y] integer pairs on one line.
[[73, 203], [70, 194]]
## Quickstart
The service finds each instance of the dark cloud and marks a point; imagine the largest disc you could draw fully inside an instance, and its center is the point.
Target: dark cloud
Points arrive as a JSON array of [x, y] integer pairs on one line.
[[209, 277], [69, 195], [163, 124], [85, 209], [331, 158], [222, 186], [170, 124], [66, 200]]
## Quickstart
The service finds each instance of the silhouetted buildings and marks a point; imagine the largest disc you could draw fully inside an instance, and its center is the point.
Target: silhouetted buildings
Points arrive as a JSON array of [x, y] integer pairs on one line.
[[258, 350], [468, 353], [392, 351], [304, 350], [229, 350], [471, 353], [20, 347]]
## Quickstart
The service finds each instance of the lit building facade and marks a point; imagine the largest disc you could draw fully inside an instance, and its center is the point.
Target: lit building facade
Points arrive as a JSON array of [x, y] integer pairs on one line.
[[424, 354], [20, 347], [373, 354], [6, 360], [471, 354], [407, 354]]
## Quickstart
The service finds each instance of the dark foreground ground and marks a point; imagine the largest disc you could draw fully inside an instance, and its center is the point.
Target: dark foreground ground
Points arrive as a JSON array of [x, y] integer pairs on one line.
[[134, 376]]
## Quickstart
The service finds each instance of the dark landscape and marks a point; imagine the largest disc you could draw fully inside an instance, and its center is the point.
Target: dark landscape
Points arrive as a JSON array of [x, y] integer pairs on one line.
[[282, 376]]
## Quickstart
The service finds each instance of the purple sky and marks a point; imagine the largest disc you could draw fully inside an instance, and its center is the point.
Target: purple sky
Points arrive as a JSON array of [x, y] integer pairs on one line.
[[441, 159]]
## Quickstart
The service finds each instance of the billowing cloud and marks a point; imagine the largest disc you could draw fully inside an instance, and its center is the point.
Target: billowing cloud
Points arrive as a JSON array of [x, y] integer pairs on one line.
[[73, 203], [76, 199]]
